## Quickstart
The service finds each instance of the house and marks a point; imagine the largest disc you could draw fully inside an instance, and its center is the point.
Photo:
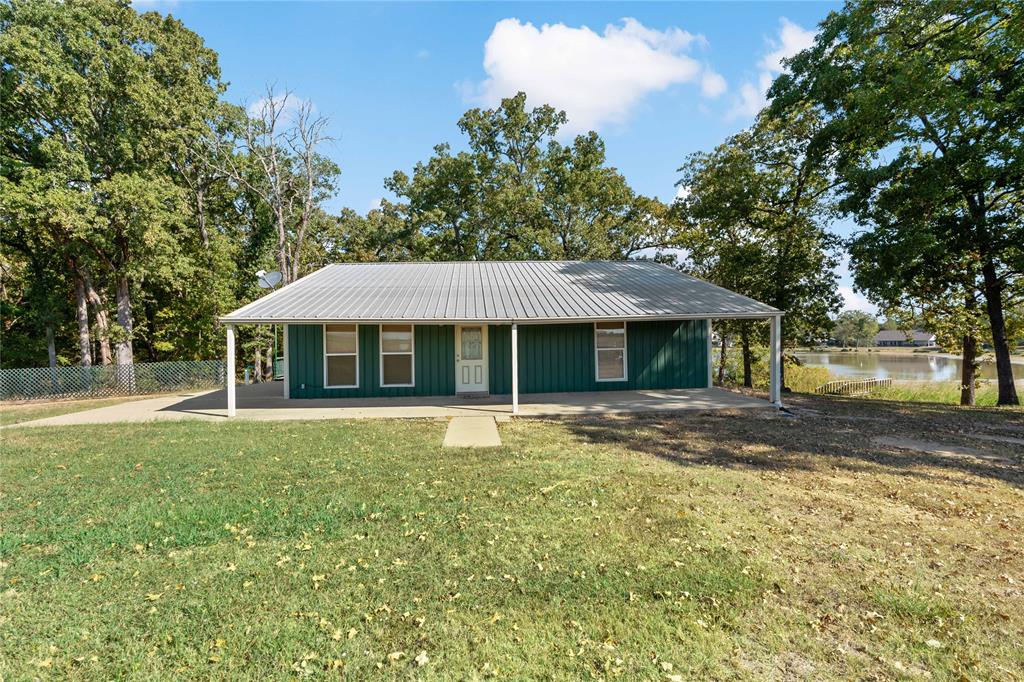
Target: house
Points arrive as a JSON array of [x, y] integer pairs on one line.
[[902, 337], [501, 328]]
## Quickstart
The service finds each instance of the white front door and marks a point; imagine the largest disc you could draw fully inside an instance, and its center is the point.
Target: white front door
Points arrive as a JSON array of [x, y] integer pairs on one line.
[[471, 359]]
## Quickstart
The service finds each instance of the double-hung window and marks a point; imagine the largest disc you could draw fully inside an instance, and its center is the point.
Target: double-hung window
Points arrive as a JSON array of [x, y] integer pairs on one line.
[[610, 349], [341, 356], [396, 355]]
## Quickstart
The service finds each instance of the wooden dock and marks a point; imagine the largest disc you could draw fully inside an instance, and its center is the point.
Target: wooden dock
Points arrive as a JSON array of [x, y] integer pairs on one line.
[[852, 387]]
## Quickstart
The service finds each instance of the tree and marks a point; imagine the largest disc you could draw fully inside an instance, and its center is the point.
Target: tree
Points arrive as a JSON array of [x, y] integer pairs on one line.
[[520, 193], [381, 235], [276, 158], [855, 328], [755, 211], [97, 100], [924, 107], [904, 265]]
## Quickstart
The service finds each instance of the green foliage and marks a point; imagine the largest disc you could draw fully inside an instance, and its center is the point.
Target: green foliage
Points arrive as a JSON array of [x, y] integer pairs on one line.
[[98, 101], [756, 211], [855, 328], [520, 193], [800, 378]]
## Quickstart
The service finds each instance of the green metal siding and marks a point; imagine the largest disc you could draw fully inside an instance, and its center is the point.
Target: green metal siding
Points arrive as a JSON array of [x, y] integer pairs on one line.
[[560, 357], [433, 363], [499, 362], [552, 358]]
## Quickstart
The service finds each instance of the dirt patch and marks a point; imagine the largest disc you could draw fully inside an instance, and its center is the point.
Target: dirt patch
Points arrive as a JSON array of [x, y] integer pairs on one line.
[[997, 439], [936, 448]]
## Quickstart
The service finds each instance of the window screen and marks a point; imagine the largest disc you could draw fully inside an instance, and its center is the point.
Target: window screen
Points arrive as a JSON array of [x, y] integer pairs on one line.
[[396, 355], [341, 356], [610, 347]]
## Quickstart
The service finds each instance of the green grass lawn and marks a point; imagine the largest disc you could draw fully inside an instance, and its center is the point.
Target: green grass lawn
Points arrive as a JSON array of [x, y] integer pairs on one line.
[[710, 546]]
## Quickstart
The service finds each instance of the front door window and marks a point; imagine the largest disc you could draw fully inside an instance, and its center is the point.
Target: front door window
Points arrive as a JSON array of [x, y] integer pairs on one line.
[[472, 343]]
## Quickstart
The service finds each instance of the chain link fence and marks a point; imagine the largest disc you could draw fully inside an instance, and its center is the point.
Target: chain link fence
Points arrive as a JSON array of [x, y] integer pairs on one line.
[[101, 381]]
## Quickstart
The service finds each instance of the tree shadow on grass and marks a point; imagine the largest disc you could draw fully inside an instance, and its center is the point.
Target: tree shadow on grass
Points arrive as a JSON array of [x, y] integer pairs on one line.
[[824, 433]]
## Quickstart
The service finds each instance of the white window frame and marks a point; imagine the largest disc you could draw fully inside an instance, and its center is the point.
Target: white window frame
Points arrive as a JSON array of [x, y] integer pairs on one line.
[[411, 354], [328, 355], [625, 354]]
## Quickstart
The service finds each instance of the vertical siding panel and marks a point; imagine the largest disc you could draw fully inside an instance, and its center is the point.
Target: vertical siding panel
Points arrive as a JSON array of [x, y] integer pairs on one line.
[[696, 351], [675, 338]]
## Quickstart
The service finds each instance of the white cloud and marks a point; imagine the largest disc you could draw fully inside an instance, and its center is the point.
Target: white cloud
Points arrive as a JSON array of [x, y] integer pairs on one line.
[[792, 39], [853, 300], [423, 55], [286, 104], [597, 78], [712, 84]]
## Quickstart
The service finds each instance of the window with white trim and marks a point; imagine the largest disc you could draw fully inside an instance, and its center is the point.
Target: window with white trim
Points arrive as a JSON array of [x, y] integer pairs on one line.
[[610, 350], [341, 356], [397, 349]]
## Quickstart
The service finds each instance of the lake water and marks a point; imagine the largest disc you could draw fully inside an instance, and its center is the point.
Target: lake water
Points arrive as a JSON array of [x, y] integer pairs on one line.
[[916, 366]]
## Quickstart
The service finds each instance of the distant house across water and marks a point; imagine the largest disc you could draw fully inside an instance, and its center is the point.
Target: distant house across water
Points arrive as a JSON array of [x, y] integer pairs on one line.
[[901, 337]]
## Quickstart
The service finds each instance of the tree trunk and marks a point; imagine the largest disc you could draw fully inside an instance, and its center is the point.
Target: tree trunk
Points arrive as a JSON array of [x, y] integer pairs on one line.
[[82, 310], [51, 347], [782, 355], [1000, 344], [204, 235], [748, 375], [99, 311], [268, 363], [721, 362], [125, 354], [282, 251], [969, 369]]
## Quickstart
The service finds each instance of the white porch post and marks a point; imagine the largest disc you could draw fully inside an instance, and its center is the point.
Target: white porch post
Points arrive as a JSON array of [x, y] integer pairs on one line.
[[284, 345], [710, 354], [231, 370], [775, 361], [515, 368]]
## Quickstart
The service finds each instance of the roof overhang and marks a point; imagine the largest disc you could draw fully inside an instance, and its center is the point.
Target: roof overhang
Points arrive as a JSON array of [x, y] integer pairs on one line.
[[552, 320]]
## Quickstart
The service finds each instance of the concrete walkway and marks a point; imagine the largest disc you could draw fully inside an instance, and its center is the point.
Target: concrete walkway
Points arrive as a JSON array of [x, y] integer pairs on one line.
[[472, 432], [264, 402]]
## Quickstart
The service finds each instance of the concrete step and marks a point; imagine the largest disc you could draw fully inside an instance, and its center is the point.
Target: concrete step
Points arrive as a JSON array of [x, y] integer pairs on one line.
[[472, 432]]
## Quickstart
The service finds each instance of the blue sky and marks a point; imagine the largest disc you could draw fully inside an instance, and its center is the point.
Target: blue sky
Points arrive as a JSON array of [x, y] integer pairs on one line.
[[656, 80]]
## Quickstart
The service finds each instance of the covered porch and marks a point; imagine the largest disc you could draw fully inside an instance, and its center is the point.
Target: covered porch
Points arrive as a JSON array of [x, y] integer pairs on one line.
[[265, 401], [515, 403]]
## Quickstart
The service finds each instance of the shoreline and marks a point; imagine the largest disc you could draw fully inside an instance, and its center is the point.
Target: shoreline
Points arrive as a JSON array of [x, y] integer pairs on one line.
[[987, 356]]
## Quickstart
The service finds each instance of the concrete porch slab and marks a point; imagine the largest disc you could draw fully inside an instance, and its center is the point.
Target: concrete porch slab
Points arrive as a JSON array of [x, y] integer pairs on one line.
[[264, 402], [472, 432]]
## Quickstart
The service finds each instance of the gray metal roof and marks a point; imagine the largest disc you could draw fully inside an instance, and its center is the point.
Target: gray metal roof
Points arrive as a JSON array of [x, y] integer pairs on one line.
[[497, 291]]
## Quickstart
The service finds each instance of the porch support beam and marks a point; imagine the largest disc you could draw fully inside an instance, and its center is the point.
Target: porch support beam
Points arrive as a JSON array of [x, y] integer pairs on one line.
[[515, 368], [710, 352], [231, 370], [775, 362], [284, 352]]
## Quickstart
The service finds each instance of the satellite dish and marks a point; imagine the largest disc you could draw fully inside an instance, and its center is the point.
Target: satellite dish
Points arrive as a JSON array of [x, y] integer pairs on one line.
[[268, 280]]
